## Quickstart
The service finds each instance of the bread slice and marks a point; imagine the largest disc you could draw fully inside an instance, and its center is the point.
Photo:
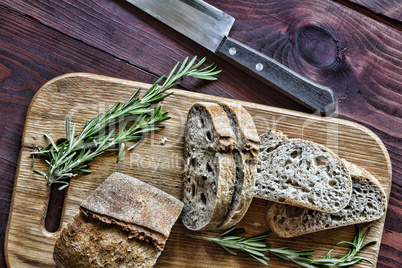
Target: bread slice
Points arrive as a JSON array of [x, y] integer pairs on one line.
[[245, 155], [301, 173], [368, 203], [123, 223], [209, 166]]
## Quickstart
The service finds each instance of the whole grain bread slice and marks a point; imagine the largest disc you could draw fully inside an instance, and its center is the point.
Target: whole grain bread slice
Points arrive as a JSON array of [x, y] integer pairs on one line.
[[368, 203], [246, 157], [209, 166], [301, 173]]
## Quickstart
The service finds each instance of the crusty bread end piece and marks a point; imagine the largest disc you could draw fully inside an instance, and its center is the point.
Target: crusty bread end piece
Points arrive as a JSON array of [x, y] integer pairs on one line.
[[368, 203], [123, 223]]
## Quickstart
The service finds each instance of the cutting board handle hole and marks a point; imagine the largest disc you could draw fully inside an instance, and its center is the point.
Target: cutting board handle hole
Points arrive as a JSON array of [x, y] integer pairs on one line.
[[55, 207]]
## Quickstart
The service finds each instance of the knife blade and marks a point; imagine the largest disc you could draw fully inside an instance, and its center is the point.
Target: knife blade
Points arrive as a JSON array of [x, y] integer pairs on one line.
[[210, 27]]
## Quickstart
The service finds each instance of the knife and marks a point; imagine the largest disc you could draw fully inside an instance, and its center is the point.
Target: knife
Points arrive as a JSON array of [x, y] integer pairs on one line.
[[209, 27]]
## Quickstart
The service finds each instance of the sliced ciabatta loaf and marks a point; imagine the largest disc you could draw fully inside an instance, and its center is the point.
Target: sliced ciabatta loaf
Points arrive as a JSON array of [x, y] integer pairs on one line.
[[209, 166], [245, 155], [368, 203], [301, 173]]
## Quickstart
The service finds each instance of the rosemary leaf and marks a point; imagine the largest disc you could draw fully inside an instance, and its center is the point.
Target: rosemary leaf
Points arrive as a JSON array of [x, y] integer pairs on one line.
[[100, 135]]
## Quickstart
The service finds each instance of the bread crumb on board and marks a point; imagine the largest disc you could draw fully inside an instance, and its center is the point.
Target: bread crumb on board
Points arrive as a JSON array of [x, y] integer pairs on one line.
[[163, 141]]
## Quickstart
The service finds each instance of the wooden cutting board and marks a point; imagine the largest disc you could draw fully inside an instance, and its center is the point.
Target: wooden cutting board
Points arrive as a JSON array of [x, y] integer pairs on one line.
[[82, 96]]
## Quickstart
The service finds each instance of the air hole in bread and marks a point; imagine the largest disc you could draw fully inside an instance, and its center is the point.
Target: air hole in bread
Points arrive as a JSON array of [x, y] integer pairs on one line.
[[310, 200], [209, 136], [193, 190], [194, 162], [202, 123], [281, 199], [204, 178], [332, 182], [294, 154], [335, 217], [295, 183], [326, 225], [305, 189], [203, 199], [321, 160], [281, 220], [209, 168]]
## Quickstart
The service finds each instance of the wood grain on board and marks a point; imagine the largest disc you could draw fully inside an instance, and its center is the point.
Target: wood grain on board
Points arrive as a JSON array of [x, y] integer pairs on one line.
[[82, 96]]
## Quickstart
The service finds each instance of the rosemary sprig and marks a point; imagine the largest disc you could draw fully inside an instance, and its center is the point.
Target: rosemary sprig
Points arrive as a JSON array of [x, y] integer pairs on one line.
[[257, 247], [120, 124], [350, 258]]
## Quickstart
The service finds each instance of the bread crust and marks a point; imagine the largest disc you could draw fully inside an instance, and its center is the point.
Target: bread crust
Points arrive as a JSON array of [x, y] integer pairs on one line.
[[245, 193], [246, 158], [130, 201]]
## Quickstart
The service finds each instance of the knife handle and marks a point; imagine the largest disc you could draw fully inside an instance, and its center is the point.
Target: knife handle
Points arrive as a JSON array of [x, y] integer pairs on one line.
[[271, 72]]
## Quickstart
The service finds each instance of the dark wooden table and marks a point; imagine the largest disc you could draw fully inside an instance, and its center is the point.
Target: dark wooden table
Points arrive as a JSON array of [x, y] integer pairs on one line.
[[40, 40]]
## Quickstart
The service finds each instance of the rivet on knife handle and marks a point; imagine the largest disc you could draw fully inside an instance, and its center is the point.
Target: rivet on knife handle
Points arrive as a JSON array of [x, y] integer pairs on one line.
[[312, 95]]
